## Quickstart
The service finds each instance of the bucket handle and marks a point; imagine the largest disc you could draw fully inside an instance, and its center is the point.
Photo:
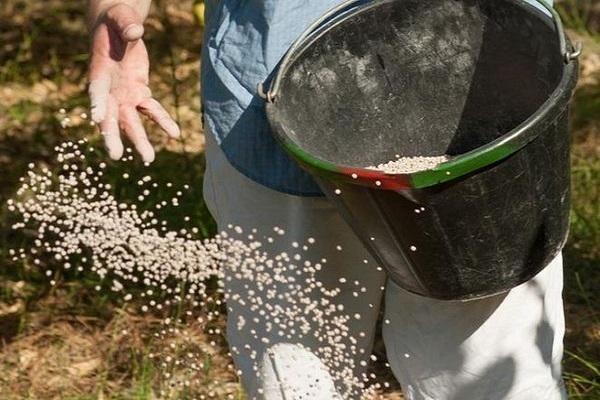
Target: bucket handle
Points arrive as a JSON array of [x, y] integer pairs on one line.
[[270, 95], [562, 36]]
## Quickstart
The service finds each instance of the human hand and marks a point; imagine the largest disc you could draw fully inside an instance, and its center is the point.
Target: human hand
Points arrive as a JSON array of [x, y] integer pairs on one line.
[[119, 78]]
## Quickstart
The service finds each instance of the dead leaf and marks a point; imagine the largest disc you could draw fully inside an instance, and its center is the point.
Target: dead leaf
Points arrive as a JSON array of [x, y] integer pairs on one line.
[[26, 358], [84, 368]]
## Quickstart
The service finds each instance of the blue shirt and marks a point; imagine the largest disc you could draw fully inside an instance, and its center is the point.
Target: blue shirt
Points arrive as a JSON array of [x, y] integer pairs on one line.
[[244, 41]]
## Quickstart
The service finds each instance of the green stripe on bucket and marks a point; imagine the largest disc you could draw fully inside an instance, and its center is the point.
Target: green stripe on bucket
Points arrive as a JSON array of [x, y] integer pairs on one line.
[[450, 170], [306, 158], [461, 166]]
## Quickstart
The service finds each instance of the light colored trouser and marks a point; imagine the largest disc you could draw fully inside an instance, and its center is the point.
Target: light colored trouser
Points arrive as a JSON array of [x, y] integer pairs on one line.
[[504, 347]]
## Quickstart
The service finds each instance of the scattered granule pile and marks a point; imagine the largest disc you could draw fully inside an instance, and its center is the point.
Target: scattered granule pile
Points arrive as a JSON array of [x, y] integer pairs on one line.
[[408, 165]]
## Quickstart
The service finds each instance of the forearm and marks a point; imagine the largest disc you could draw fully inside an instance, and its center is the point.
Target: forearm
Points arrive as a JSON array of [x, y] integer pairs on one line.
[[97, 8]]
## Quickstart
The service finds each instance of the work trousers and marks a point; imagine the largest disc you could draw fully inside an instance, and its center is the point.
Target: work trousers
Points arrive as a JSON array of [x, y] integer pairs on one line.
[[498, 348]]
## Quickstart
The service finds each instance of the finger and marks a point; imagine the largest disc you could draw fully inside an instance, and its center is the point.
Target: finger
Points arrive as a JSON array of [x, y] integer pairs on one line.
[[133, 127], [155, 111], [109, 128], [126, 21], [99, 91]]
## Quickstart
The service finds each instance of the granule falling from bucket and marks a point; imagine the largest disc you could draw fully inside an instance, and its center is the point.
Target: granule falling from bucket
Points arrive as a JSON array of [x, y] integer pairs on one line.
[[73, 220]]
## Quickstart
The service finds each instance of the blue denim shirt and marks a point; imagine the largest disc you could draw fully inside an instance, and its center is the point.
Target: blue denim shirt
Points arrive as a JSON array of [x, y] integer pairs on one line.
[[244, 41]]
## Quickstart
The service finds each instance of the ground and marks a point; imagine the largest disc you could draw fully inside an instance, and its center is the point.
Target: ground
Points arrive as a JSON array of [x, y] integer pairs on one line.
[[69, 341]]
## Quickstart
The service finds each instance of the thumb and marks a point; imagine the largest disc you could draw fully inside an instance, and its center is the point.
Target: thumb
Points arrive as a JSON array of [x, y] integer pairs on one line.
[[126, 21]]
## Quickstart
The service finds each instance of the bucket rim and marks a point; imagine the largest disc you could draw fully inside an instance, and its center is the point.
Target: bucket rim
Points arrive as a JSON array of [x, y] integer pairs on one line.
[[456, 166]]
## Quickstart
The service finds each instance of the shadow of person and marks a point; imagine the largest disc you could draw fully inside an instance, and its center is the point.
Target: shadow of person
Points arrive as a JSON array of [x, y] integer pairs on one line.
[[487, 385], [493, 348]]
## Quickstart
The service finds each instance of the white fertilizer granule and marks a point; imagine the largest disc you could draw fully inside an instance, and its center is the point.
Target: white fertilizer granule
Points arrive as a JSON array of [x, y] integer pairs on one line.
[[73, 220], [409, 165]]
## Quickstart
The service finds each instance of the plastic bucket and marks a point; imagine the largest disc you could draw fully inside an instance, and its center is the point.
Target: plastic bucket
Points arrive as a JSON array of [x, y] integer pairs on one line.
[[486, 82]]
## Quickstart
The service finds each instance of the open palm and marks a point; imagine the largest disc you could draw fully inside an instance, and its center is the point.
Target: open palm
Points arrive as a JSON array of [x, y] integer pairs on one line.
[[119, 81]]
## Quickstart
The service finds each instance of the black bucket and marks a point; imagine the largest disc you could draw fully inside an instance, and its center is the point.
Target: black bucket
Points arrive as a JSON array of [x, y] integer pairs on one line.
[[486, 82]]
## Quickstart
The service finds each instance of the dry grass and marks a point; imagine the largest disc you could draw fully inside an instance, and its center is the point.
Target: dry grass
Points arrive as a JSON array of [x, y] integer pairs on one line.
[[63, 352]]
